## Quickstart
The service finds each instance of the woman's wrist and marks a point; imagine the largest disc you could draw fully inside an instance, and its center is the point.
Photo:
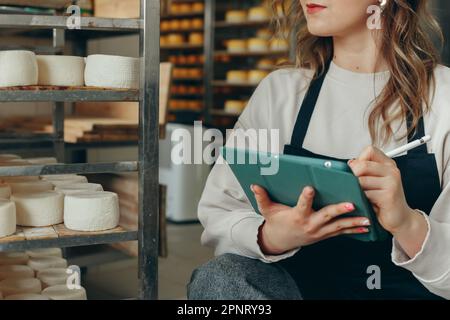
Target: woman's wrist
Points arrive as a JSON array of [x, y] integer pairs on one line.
[[264, 244]]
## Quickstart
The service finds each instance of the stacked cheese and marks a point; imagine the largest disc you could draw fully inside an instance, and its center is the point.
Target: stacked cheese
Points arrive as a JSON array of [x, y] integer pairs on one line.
[[24, 68], [36, 275]]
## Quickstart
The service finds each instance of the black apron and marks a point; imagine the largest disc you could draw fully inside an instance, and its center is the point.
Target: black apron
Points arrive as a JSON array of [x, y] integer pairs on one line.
[[337, 268]]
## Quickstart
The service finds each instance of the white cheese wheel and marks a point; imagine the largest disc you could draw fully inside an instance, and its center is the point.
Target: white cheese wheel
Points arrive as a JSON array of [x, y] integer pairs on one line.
[[79, 187], [19, 286], [62, 292], [18, 68], [8, 157], [64, 71], [13, 258], [60, 181], [47, 252], [26, 296], [57, 176], [53, 277], [112, 72], [43, 263], [15, 271], [91, 211], [7, 218], [19, 179], [31, 186], [49, 160], [39, 209], [14, 163], [5, 191]]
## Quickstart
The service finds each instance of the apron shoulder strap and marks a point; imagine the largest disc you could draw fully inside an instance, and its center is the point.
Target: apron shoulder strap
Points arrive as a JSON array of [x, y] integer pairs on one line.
[[417, 134]]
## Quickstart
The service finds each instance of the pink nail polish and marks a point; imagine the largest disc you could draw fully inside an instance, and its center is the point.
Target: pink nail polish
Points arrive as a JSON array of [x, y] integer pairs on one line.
[[350, 207]]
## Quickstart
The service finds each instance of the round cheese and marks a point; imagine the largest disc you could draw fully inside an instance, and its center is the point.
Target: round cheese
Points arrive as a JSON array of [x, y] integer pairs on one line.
[[47, 252], [18, 68], [64, 71], [237, 76], [8, 157], [236, 46], [31, 186], [53, 277], [14, 163], [19, 179], [26, 296], [79, 187], [234, 106], [49, 160], [5, 191], [112, 72], [62, 292], [59, 181], [258, 45], [256, 76], [15, 271], [43, 263], [7, 218], [236, 16], [258, 14], [13, 258], [19, 286], [89, 211], [279, 45], [39, 209]]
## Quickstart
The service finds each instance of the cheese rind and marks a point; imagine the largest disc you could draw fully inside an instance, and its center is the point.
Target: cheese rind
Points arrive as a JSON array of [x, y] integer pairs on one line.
[[8, 157], [13, 258], [65, 71], [49, 160], [27, 296], [53, 277], [15, 271], [79, 187], [20, 286], [31, 186], [39, 209], [62, 292], [18, 68], [112, 72], [43, 263], [7, 218], [91, 211], [5, 191], [47, 252]]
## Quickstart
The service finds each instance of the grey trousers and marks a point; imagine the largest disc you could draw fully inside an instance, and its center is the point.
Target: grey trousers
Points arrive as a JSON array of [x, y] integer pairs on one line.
[[233, 277]]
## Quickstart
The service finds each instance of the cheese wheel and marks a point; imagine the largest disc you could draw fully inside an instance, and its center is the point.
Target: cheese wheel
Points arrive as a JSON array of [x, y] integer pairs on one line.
[[112, 72], [64, 71], [31, 186], [14, 163], [26, 296], [49, 160], [89, 211], [19, 179], [235, 106], [256, 76], [58, 176], [196, 38], [39, 209], [46, 252], [258, 14], [7, 157], [20, 286], [7, 218], [53, 277], [265, 34], [15, 271], [13, 258], [279, 45], [18, 68], [236, 76], [5, 191], [258, 45], [236, 16], [43, 263], [236, 46], [79, 187], [62, 292]]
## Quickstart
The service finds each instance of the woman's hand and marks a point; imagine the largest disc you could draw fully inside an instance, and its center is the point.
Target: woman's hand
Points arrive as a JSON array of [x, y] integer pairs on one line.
[[381, 180], [289, 228]]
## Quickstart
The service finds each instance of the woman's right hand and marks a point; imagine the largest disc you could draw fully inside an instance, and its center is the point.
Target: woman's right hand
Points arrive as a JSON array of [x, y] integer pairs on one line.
[[287, 228]]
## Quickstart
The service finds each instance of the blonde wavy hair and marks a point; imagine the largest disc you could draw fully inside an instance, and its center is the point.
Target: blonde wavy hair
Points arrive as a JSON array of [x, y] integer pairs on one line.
[[407, 46]]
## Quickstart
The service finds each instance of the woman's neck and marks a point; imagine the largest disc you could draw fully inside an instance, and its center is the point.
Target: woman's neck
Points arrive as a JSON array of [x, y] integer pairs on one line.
[[359, 52]]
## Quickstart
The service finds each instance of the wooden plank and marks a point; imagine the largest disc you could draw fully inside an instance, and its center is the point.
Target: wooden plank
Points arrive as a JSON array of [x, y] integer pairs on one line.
[[64, 232], [51, 4], [39, 233], [18, 236]]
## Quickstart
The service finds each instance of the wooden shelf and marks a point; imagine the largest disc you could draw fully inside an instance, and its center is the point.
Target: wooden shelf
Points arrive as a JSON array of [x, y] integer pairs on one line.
[[251, 54], [183, 30], [223, 113], [192, 14], [225, 24], [182, 47]]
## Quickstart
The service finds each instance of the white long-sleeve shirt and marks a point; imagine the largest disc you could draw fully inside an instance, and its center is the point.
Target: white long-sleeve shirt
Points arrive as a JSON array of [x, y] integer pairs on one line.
[[338, 128]]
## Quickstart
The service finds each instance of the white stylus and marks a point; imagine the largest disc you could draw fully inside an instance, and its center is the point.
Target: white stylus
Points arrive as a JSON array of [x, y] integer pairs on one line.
[[409, 146]]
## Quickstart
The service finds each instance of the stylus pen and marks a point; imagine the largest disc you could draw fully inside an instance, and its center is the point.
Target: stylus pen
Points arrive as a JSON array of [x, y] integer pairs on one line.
[[408, 147]]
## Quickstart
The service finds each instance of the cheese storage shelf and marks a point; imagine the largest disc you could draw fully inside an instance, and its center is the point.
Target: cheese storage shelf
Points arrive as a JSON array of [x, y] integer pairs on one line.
[[250, 54], [148, 164], [59, 236], [225, 24], [219, 83]]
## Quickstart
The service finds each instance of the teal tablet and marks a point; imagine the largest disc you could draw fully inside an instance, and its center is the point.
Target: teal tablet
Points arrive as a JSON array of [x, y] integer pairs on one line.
[[285, 176]]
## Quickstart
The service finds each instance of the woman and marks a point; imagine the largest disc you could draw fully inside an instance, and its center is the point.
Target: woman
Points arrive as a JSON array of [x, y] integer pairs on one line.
[[354, 86]]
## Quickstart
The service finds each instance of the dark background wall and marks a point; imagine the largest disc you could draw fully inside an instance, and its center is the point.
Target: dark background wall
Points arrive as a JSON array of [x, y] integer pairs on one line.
[[441, 9]]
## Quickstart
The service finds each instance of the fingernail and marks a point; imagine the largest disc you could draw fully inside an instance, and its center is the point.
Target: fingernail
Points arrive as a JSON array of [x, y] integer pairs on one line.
[[350, 161], [363, 230], [350, 207], [252, 187], [366, 222], [309, 190]]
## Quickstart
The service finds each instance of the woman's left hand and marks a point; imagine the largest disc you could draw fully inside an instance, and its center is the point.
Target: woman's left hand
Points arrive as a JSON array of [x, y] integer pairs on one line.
[[381, 180]]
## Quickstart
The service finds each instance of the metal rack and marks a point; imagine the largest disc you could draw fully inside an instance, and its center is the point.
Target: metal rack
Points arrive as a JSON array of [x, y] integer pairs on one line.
[[148, 164]]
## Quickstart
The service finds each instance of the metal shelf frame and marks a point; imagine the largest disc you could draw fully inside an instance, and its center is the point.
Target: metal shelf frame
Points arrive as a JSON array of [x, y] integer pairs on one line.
[[148, 27]]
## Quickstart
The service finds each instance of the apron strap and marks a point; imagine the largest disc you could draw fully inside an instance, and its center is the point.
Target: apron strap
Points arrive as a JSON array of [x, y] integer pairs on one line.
[[307, 109], [417, 134]]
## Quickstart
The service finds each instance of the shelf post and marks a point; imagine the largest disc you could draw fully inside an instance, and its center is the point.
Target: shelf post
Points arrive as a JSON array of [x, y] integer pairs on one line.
[[149, 150], [210, 18], [59, 39]]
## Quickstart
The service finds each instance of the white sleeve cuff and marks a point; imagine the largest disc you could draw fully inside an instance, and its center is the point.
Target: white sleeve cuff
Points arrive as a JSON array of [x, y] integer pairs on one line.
[[244, 235], [432, 263]]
